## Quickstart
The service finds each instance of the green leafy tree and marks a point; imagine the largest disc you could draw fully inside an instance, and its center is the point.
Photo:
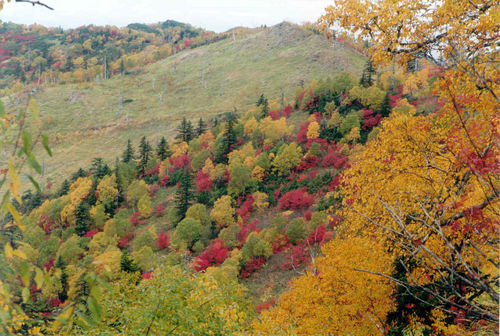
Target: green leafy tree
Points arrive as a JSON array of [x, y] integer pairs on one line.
[[188, 231]]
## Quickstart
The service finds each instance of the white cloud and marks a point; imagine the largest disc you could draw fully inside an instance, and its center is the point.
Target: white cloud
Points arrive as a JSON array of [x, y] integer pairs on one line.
[[218, 15]]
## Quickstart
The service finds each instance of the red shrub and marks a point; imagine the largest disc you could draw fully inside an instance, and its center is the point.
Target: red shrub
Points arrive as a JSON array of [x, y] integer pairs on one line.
[[302, 134], [215, 254], [203, 181], [275, 114], [153, 189], [266, 305], [163, 241], [165, 180], [334, 183], [281, 244], [181, 161], [91, 233], [54, 303], [317, 235], [307, 163], [49, 264], [370, 119], [135, 218], [154, 171], [246, 229], [160, 209], [295, 200], [307, 215], [246, 208], [298, 255], [124, 242], [251, 266], [337, 160], [147, 275], [287, 111]]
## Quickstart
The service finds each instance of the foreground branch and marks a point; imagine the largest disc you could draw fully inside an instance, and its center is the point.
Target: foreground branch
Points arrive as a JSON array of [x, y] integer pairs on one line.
[[36, 3]]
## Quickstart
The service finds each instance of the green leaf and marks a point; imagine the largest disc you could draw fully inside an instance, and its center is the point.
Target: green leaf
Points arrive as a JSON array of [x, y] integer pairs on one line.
[[2, 109], [94, 307], [26, 295], [33, 163], [35, 183], [27, 142], [33, 109], [25, 273], [84, 321], [45, 142], [39, 278]]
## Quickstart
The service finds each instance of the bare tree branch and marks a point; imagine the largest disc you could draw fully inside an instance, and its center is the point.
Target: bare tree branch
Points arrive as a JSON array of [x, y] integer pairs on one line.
[[36, 3]]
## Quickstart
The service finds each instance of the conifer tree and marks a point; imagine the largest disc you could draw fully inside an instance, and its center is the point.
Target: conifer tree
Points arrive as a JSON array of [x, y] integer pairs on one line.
[[82, 219], [128, 154], [79, 173], [127, 264], [202, 127], [162, 150], [145, 152], [229, 135], [63, 294], [366, 77], [181, 130], [189, 131], [184, 194], [385, 108], [99, 169], [64, 188]]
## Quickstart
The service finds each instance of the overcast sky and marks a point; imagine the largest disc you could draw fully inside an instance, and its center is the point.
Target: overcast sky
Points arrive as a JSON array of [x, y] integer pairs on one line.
[[217, 15]]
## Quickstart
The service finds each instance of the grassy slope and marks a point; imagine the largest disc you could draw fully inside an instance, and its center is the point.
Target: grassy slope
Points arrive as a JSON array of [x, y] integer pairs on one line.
[[84, 122]]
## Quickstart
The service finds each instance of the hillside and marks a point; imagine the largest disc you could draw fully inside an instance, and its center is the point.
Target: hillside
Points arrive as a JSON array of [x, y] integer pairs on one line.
[[42, 55], [95, 120]]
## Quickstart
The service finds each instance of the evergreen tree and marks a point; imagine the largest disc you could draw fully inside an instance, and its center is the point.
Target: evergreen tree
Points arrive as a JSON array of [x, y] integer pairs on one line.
[[128, 154], [229, 135], [63, 294], [99, 169], [184, 194], [162, 150], [366, 77], [145, 152], [189, 132], [79, 173], [127, 264], [385, 108], [263, 103], [64, 188], [261, 100], [182, 130], [202, 127], [82, 219]]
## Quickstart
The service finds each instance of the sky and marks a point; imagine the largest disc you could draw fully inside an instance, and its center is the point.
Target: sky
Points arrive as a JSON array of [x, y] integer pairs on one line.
[[216, 15]]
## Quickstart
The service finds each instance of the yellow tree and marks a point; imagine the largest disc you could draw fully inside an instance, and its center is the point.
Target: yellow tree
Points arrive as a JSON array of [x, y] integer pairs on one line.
[[333, 299], [428, 184]]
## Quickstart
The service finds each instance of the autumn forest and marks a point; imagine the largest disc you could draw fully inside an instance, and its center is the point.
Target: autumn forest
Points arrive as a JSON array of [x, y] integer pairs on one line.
[[339, 177]]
